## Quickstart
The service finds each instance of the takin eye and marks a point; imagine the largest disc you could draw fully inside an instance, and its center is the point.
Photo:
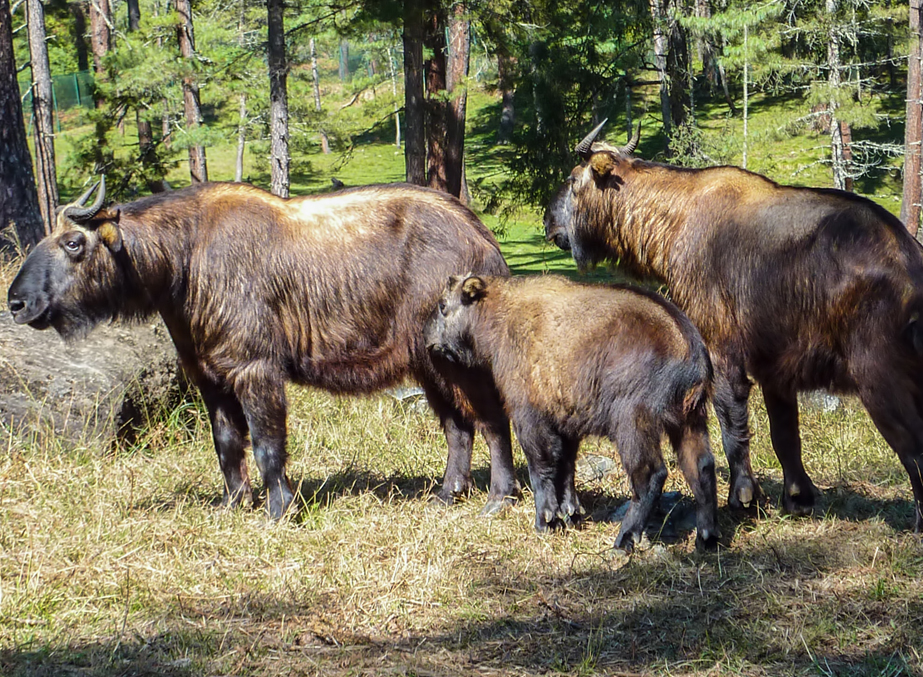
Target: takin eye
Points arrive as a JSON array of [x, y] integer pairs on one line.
[[74, 243], [442, 307]]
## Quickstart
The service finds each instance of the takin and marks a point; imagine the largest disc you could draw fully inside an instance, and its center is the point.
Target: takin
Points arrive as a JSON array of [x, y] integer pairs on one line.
[[572, 360], [799, 288], [329, 291]]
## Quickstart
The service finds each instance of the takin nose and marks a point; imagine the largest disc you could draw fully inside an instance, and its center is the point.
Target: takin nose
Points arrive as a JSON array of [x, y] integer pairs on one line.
[[23, 308]]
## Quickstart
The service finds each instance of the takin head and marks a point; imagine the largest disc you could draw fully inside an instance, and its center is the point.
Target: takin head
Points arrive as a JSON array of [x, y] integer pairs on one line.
[[600, 167], [447, 332], [71, 280]]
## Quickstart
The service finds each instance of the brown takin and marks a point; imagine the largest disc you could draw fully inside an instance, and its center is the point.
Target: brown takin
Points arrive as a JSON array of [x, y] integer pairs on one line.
[[329, 291], [572, 360], [800, 288]]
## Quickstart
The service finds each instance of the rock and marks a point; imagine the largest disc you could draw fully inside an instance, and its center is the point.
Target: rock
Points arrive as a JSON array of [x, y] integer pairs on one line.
[[820, 400], [90, 392]]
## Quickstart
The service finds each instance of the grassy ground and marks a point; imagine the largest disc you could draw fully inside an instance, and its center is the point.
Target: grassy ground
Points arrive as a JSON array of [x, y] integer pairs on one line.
[[121, 563]]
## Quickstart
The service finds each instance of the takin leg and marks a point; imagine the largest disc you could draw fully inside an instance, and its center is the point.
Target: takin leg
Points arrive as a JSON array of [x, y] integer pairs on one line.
[[504, 487], [693, 453], [798, 490], [481, 401], [639, 449], [261, 391], [552, 484], [894, 412], [732, 391], [229, 431]]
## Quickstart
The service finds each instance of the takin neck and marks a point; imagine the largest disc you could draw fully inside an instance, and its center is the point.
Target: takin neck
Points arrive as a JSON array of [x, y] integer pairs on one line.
[[642, 224]]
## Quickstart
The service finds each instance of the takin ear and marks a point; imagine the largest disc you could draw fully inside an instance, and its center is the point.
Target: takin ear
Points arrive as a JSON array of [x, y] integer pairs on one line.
[[602, 164], [473, 289], [109, 231]]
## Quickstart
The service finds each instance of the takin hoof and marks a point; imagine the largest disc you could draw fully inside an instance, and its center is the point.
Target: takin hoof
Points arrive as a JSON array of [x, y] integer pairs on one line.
[[453, 492], [798, 499], [626, 540], [495, 506], [744, 494], [707, 541]]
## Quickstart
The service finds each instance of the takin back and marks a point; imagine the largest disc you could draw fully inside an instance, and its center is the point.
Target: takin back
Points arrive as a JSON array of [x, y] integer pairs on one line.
[[801, 288], [573, 360], [330, 291]]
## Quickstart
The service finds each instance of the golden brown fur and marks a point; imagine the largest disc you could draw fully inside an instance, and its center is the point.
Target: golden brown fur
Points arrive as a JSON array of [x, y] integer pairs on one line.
[[330, 291], [800, 288], [573, 360]]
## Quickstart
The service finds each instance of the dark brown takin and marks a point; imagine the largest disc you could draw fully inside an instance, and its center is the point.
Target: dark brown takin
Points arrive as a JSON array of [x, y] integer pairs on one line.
[[572, 360], [798, 288], [329, 291]]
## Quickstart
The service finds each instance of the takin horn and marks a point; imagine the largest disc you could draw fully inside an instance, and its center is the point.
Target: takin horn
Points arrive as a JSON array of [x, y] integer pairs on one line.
[[77, 212], [583, 148], [629, 147]]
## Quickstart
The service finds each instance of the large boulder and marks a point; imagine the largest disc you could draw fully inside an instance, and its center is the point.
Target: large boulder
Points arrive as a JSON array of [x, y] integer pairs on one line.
[[89, 392]]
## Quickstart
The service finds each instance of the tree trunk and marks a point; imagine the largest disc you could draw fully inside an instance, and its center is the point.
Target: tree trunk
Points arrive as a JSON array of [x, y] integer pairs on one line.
[[344, 60], [241, 138], [397, 115], [43, 111], [145, 132], [100, 41], [913, 135], [838, 160], [436, 105], [457, 86], [660, 62], [198, 166], [507, 105], [79, 35], [678, 75], [18, 198], [315, 76], [414, 116], [278, 100], [746, 94]]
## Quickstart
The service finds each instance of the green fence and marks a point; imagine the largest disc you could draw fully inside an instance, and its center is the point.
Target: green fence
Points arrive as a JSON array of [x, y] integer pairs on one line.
[[67, 91]]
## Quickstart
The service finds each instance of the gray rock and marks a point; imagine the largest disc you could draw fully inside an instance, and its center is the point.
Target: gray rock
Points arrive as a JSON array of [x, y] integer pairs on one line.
[[820, 399], [90, 392]]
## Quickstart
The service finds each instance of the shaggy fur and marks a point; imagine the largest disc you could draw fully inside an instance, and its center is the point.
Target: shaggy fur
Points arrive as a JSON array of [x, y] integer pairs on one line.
[[573, 360], [330, 291], [800, 288]]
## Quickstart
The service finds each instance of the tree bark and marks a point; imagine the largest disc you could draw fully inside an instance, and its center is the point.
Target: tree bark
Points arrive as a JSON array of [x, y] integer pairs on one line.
[[100, 41], [457, 86], [436, 104], [43, 112], [678, 75], [660, 61], [315, 76], [198, 165], [414, 116], [18, 198], [913, 135], [145, 132], [79, 35], [278, 100], [507, 106], [838, 161], [344, 60], [397, 115]]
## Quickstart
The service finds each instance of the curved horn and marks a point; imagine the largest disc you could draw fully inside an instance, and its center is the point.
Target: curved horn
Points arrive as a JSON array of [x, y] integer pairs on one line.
[[629, 147], [583, 148], [77, 212]]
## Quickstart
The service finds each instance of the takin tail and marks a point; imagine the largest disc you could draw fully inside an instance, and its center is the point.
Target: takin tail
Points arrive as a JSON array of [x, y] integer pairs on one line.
[[700, 392]]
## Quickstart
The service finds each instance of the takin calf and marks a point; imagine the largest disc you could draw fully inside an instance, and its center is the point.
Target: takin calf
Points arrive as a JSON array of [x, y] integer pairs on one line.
[[329, 291], [572, 360], [801, 288]]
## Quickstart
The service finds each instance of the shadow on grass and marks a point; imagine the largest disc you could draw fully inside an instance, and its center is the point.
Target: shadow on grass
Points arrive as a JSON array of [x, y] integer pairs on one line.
[[741, 612]]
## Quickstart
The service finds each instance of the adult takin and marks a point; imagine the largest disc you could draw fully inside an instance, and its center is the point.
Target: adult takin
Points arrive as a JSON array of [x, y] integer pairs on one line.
[[572, 360], [801, 288], [330, 291]]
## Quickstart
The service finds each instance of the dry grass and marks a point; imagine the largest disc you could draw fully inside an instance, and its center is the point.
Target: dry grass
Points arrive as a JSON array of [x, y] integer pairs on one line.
[[122, 564]]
